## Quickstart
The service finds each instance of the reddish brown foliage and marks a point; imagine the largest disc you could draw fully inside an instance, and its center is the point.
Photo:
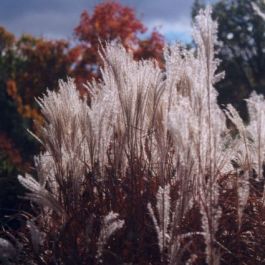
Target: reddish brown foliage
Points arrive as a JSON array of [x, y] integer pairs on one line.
[[41, 63], [8, 149], [111, 21], [6, 39], [45, 62]]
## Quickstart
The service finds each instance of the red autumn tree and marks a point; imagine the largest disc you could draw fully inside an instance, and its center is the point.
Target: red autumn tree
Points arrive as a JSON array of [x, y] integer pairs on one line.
[[42, 63], [9, 154], [111, 21], [28, 66]]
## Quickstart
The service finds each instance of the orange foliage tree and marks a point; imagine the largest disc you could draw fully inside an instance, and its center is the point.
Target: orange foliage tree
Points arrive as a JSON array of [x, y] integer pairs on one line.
[[28, 66], [9, 153], [42, 63], [111, 21]]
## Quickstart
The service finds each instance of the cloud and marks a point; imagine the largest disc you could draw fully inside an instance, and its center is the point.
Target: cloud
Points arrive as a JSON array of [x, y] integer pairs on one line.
[[172, 30], [164, 9], [50, 24]]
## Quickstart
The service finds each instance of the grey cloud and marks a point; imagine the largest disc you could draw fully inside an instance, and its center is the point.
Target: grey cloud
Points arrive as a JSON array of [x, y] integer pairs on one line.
[[167, 9]]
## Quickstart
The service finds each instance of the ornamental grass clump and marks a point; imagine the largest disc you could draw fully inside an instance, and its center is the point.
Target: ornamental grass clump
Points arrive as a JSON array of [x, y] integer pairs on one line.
[[146, 171]]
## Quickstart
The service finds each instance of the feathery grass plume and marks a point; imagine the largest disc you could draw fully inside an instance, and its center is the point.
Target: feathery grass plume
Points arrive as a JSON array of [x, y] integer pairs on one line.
[[201, 136], [256, 128], [242, 193], [163, 204], [76, 137], [8, 252], [244, 159], [74, 132], [136, 89], [257, 9], [39, 194], [197, 127], [37, 237], [109, 226]]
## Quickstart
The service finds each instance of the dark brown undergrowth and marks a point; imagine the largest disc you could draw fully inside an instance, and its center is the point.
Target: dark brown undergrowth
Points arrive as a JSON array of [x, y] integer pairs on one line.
[[75, 240]]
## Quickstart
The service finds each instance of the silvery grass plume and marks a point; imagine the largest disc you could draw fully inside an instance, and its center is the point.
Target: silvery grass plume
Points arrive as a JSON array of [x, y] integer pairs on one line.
[[250, 153], [201, 137], [135, 89], [256, 128], [257, 120], [8, 253], [75, 137], [257, 9], [203, 144], [110, 225], [163, 205], [198, 129]]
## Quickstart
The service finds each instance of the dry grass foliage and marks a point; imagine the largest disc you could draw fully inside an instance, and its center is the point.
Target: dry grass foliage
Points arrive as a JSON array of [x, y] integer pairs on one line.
[[148, 172]]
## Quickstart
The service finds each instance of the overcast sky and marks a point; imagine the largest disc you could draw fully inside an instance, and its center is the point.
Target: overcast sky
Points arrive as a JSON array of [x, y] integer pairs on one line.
[[57, 18]]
